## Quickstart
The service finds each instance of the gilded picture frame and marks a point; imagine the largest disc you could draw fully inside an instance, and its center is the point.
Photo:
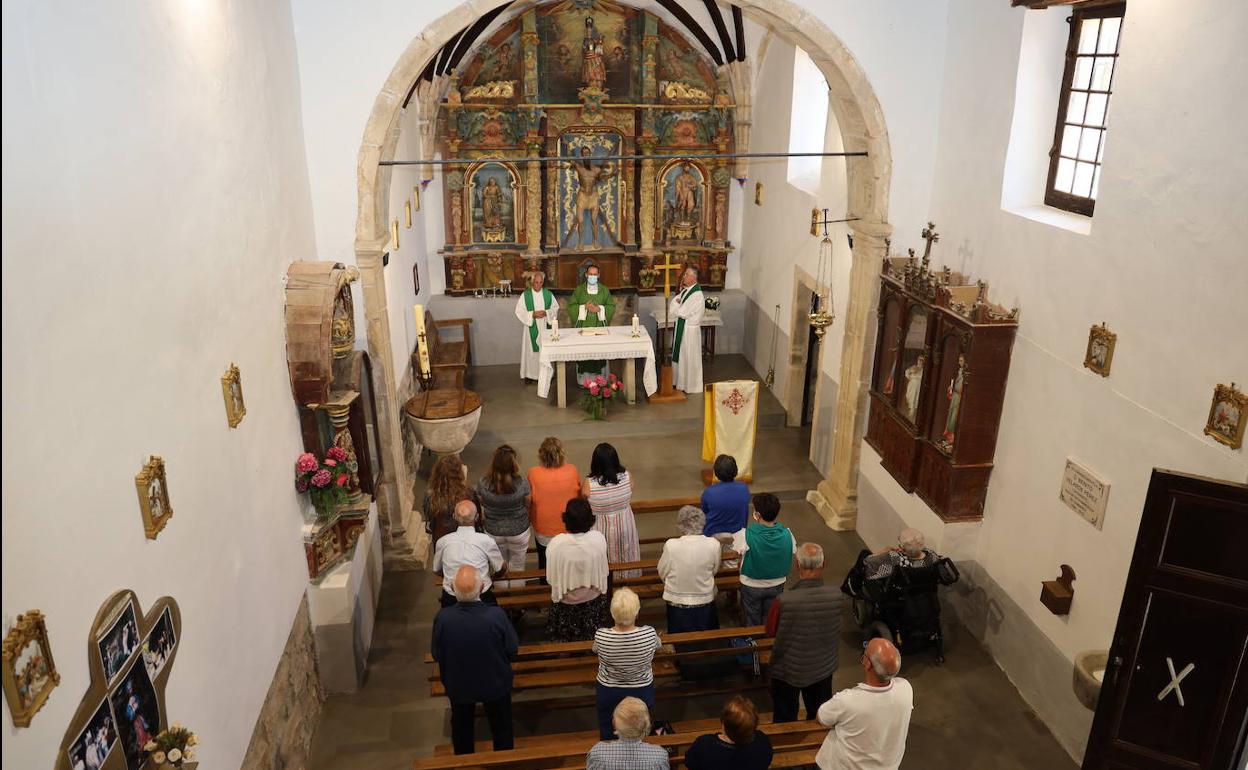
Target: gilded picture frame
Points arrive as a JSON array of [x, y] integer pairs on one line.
[[758, 193], [153, 489], [1228, 416], [232, 392], [1099, 355], [29, 672]]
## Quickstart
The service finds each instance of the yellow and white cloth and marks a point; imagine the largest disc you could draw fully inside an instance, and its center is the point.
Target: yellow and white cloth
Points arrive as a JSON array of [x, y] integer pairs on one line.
[[730, 423]]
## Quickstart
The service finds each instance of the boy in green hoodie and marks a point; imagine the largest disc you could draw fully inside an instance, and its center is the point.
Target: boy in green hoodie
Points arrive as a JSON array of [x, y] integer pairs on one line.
[[767, 548]]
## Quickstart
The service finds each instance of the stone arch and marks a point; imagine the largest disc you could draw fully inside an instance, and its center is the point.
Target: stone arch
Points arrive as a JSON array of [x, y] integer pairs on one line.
[[862, 126]]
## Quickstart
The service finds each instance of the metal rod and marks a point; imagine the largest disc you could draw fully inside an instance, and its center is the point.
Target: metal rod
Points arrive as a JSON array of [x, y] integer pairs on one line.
[[569, 159]]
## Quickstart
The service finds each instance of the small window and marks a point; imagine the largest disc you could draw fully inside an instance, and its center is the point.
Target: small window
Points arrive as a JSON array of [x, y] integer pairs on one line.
[[808, 123], [1079, 140]]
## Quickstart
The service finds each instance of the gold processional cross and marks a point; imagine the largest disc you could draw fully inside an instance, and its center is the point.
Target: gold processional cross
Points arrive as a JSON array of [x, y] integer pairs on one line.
[[667, 267]]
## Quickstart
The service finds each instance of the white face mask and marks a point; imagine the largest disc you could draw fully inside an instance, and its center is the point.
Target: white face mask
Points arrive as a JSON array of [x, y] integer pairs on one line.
[[592, 280]]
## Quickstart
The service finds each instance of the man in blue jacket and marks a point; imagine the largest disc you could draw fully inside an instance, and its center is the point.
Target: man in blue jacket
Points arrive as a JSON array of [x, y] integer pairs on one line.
[[474, 644]]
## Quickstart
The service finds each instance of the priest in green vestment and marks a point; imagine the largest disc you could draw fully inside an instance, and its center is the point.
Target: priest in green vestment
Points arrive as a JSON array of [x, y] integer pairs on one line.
[[535, 309], [591, 305]]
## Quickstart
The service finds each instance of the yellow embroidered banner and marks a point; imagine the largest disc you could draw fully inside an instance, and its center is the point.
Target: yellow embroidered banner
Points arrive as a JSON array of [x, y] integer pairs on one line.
[[730, 422]]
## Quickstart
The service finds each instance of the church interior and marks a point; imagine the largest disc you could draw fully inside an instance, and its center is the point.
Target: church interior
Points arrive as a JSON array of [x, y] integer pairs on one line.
[[331, 266]]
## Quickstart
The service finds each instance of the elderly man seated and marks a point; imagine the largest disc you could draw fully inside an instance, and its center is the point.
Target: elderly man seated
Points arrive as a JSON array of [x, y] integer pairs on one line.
[[688, 568], [909, 552], [631, 719]]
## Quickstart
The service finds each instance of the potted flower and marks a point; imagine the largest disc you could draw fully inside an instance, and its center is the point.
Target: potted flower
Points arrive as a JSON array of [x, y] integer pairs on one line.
[[174, 747], [598, 391], [325, 480], [711, 303]]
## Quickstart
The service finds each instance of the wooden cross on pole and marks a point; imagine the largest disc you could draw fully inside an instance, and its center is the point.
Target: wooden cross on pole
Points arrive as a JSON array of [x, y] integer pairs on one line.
[[667, 267]]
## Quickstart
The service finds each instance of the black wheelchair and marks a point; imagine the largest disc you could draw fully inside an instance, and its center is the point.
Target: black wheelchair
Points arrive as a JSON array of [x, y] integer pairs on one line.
[[901, 606]]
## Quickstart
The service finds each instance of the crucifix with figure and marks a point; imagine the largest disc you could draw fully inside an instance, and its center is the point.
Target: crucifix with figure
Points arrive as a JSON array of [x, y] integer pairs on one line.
[[667, 393]]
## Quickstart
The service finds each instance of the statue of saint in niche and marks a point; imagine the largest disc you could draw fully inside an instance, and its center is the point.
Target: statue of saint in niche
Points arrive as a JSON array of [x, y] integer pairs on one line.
[[588, 178], [491, 205], [593, 65], [954, 395]]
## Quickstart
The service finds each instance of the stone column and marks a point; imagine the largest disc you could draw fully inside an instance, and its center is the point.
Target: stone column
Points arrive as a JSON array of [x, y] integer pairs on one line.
[[836, 498]]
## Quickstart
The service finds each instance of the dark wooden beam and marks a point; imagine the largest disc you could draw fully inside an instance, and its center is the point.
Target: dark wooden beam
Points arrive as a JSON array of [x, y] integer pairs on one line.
[[739, 24], [470, 36], [672, 7], [717, 19], [444, 55]]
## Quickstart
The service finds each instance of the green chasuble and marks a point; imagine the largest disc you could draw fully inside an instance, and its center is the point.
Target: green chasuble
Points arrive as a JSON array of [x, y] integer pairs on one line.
[[680, 322], [575, 303]]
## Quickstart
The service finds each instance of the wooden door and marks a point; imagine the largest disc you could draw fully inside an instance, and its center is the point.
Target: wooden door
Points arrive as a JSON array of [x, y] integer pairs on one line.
[[1176, 689]]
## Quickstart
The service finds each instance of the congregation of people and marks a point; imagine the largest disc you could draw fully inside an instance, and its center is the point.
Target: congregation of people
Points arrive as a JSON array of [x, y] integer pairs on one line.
[[582, 527]]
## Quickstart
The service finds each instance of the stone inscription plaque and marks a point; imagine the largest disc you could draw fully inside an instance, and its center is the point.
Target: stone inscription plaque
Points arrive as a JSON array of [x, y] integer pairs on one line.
[[1084, 492]]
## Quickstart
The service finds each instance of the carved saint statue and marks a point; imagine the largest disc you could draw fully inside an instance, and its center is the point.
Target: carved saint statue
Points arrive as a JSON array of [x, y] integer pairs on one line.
[[686, 195], [593, 65], [954, 394], [491, 204], [914, 382], [588, 177]]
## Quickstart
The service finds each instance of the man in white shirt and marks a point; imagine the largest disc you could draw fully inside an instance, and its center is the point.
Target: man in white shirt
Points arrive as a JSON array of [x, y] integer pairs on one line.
[[869, 722], [688, 568], [467, 546]]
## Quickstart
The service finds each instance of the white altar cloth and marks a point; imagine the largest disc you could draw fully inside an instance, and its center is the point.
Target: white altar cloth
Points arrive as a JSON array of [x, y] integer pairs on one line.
[[618, 342]]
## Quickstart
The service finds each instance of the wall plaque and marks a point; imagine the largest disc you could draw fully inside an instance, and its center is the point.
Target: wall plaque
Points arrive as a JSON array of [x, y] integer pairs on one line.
[[1084, 492]]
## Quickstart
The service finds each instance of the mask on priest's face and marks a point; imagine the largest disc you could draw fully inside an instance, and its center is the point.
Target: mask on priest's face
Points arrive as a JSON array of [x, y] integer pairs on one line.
[[592, 280]]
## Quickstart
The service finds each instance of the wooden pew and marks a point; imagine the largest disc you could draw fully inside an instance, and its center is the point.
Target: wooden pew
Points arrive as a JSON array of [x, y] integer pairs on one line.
[[564, 664], [794, 743], [648, 566]]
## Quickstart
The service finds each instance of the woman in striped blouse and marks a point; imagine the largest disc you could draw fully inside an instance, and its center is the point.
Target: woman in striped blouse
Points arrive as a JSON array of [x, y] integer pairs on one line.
[[609, 489], [625, 659]]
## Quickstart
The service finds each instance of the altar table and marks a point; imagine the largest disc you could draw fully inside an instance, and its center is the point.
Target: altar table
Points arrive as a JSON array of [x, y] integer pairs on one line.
[[618, 342], [711, 320]]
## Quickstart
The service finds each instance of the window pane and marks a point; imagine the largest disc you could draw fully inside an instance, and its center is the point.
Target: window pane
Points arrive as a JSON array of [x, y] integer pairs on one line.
[[1096, 109], [1087, 35], [1096, 182], [1075, 107], [1065, 173], [1070, 141], [1089, 144], [1083, 73], [1083, 180], [1101, 73], [1109, 36]]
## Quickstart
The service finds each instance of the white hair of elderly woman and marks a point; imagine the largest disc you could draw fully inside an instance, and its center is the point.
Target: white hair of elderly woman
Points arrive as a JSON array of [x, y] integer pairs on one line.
[[911, 541], [809, 556], [624, 606], [690, 520], [631, 719]]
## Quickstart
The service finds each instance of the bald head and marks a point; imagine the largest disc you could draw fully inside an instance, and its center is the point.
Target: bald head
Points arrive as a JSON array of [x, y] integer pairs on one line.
[[467, 584], [883, 661], [465, 513]]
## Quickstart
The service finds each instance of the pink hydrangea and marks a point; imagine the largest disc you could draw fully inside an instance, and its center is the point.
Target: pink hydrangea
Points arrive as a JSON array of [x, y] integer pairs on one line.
[[612, 376], [601, 381], [306, 463], [302, 485], [321, 478], [615, 386], [337, 453], [331, 462], [593, 389]]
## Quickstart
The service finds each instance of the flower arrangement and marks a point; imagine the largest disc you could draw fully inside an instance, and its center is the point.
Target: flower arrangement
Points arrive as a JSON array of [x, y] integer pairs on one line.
[[172, 747], [711, 303], [324, 480], [598, 391]]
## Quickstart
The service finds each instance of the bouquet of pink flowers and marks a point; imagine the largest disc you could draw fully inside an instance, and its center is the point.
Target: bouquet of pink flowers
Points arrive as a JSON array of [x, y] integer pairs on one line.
[[598, 391], [325, 480]]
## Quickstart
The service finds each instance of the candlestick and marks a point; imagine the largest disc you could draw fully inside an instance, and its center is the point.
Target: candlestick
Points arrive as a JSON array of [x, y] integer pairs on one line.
[[422, 346], [636, 327]]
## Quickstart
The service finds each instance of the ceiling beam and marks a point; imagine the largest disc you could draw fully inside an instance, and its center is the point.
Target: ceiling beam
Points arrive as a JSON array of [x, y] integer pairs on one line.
[[717, 19], [473, 33], [739, 24], [694, 28]]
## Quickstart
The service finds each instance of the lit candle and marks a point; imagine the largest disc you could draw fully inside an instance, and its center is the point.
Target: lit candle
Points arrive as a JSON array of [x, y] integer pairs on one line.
[[635, 324], [421, 347]]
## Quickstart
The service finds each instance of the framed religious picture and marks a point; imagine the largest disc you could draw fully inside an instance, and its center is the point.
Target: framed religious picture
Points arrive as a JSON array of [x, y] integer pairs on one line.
[[758, 193], [29, 672], [416, 278], [1099, 356], [1228, 416], [153, 490], [232, 391]]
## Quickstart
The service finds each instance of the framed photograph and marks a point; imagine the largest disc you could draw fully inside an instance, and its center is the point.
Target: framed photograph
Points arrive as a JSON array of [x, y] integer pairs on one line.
[[138, 713], [159, 644], [29, 672], [118, 641], [1100, 353], [96, 741], [232, 391], [1228, 416], [154, 496]]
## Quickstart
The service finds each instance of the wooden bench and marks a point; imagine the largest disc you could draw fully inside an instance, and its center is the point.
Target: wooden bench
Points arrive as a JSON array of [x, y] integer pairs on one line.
[[564, 664], [649, 568], [661, 505], [449, 359], [794, 744]]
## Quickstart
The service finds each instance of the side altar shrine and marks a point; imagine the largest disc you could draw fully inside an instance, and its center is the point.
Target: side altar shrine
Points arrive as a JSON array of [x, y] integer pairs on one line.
[[580, 86]]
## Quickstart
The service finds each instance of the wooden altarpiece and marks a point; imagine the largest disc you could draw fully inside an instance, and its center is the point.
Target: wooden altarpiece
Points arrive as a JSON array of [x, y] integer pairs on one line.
[[942, 358], [567, 81], [331, 383]]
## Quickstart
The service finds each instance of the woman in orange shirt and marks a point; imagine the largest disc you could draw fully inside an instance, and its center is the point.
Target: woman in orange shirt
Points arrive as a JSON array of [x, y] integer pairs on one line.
[[552, 484]]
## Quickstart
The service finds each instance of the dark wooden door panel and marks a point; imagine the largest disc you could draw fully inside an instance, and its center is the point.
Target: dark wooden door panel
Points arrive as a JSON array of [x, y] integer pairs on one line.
[[1176, 689]]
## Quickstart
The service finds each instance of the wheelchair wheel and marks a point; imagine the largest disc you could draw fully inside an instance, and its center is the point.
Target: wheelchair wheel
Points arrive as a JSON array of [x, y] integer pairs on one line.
[[878, 629], [863, 612]]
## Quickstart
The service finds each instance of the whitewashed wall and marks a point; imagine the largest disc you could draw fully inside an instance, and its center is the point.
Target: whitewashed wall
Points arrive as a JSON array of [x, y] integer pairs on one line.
[[1163, 264], [155, 191]]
